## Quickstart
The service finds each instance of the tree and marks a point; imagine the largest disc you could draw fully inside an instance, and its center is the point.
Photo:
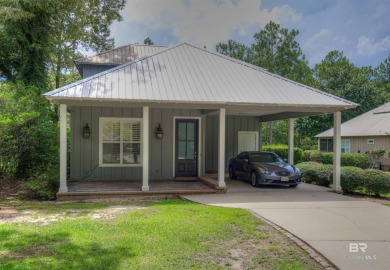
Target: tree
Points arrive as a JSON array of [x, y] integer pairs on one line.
[[48, 35], [148, 41], [277, 50], [382, 79], [236, 50], [24, 40], [336, 75]]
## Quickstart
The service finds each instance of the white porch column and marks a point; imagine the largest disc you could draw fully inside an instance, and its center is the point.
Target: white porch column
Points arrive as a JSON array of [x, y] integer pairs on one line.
[[291, 140], [221, 148], [145, 149], [203, 147], [336, 151], [63, 169]]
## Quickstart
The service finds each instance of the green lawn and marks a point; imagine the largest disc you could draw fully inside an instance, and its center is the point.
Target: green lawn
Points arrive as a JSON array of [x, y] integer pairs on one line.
[[170, 234]]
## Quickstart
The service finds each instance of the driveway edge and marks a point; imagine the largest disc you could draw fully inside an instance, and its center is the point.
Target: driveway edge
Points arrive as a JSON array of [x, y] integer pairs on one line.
[[328, 265]]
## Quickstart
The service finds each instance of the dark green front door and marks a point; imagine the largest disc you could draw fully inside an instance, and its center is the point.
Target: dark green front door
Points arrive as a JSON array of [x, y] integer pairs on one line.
[[186, 159]]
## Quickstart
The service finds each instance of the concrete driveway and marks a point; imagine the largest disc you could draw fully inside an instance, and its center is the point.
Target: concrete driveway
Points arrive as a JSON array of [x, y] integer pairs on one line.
[[351, 233]]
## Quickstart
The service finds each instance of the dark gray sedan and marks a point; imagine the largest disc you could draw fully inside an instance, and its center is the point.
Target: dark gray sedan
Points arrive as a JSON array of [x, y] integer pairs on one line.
[[264, 168]]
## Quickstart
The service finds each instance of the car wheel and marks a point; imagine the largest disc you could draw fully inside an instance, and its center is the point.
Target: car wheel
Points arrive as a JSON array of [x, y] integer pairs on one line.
[[293, 186], [254, 179], [232, 174]]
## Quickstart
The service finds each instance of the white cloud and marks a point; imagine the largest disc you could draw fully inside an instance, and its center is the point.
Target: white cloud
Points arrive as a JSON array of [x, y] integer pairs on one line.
[[367, 46], [205, 22]]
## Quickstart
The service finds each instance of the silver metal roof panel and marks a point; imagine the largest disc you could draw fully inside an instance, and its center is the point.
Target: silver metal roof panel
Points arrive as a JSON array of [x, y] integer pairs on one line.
[[185, 73]]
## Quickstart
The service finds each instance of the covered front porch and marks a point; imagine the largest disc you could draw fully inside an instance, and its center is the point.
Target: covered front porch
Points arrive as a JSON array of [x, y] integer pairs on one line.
[[103, 189]]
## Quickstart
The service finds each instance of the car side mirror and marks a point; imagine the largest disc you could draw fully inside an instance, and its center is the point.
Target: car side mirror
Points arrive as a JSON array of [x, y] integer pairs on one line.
[[285, 160], [245, 160]]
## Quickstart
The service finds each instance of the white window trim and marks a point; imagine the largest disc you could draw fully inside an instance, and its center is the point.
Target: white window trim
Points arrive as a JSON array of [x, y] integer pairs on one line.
[[349, 141], [101, 120], [200, 142], [370, 141]]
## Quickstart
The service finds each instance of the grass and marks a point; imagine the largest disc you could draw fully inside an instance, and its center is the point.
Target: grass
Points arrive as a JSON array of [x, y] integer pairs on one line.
[[169, 234]]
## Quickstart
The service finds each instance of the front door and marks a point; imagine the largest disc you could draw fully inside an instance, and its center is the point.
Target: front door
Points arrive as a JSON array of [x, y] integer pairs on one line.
[[186, 156]]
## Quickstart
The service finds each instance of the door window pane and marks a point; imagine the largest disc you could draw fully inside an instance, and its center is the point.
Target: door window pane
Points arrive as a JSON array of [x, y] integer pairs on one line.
[[182, 131], [190, 131], [190, 150], [181, 150]]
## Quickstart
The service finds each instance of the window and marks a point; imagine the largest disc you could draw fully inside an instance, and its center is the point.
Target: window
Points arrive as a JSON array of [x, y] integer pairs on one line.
[[345, 146], [120, 142], [326, 145], [370, 141]]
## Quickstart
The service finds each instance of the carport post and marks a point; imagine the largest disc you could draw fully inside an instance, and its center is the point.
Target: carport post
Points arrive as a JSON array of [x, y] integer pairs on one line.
[[336, 151], [221, 148], [63, 159], [145, 149], [291, 140], [260, 136]]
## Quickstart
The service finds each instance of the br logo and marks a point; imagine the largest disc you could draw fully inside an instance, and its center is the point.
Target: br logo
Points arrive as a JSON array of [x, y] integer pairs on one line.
[[356, 247]]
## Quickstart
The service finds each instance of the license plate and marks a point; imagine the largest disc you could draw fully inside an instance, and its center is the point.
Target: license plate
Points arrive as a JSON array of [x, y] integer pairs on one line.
[[284, 179]]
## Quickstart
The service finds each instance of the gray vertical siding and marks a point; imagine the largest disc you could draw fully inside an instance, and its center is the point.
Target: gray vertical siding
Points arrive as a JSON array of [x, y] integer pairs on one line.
[[84, 158], [90, 70], [233, 125]]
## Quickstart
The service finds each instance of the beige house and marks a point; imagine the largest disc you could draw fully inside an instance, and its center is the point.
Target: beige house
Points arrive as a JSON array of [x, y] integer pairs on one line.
[[362, 134]]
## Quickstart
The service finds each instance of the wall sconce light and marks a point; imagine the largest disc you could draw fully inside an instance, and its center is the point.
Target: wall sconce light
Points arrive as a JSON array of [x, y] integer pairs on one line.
[[86, 131], [159, 132]]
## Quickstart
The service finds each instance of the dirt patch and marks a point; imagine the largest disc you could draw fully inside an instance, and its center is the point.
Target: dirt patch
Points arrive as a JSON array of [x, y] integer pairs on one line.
[[42, 218]]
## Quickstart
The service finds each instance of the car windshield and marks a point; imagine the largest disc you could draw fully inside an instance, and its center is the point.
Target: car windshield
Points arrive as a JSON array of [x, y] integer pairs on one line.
[[265, 157]]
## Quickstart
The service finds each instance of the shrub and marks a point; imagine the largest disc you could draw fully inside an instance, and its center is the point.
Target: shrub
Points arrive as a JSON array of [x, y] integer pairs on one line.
[[282, 151], [376, 182], [355, 160], [307, 155], [326, 157], [347, 159], [41, 186], [352, 178], [316, 173]]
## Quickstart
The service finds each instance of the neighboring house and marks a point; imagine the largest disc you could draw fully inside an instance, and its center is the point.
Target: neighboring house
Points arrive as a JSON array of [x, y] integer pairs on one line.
[[150, 112], [362, 133]]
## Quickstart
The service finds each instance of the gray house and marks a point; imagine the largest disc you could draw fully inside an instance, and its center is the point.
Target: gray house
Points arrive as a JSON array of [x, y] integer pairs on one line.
[[151, 112], [362, 133]]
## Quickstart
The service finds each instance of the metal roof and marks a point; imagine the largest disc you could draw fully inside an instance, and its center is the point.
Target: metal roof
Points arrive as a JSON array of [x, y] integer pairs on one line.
[[120, 55], [188, 74], [373, 123]]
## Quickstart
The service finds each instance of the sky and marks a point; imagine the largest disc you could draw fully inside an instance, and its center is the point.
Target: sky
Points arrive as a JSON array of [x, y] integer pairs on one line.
[[359, 28]]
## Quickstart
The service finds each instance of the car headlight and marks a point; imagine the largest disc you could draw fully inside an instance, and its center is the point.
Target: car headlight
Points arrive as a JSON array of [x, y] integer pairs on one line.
[[297, 170], [262, 170]]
